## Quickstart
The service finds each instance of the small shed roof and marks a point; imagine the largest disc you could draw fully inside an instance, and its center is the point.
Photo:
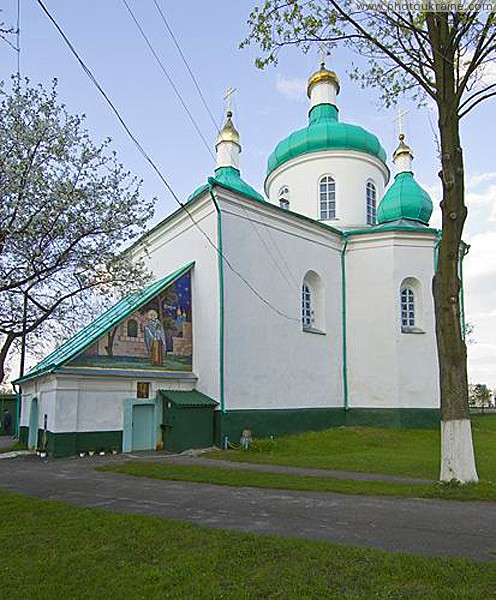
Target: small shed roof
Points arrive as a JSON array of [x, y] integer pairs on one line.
[[192, 398]]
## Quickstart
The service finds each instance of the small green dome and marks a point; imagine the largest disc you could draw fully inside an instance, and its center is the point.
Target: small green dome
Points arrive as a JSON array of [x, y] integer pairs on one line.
[[325, 132], [405, 199], [229, 178]]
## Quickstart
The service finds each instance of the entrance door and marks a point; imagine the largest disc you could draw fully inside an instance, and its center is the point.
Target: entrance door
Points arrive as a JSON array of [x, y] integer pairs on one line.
[[33, 424], [143, 427]]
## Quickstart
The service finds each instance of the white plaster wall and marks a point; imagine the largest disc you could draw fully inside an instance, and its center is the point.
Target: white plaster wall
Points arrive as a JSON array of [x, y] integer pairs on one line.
[[44, 390], [96, 403], [388, 368], [270, 362], [351, 172], [172, 245]]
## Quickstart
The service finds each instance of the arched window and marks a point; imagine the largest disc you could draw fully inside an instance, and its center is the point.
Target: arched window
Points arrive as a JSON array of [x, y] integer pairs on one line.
[[312, 303], [371, 195], [307, 314], [132, 328], [327, 198], [284, 197], [407, 307]]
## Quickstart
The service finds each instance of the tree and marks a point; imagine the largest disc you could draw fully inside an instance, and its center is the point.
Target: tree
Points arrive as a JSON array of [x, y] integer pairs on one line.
[[480, 396], [67, 207], [438, 55]]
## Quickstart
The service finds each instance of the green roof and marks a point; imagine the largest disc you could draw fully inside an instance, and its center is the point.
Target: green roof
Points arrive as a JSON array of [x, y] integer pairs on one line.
[[405, 199], [229, 178], [101, 325], [325, 132], [192, 398]]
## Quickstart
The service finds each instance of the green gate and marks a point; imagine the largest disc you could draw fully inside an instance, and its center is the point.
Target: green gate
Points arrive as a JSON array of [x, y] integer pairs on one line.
[[188, 420]]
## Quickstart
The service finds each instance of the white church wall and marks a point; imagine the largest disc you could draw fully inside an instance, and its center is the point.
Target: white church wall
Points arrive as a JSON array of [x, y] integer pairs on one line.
[[371, 353], [170, 246], [386, 367], [351, 171], [270, 362], [417, 352]]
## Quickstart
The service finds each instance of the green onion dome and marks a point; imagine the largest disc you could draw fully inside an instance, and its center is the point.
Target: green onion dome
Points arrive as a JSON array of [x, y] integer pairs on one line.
[[405, 199], [230, 179], [325, 132]]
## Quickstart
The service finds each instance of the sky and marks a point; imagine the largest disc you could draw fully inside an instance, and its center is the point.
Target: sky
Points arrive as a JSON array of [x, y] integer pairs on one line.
[[267, 106]]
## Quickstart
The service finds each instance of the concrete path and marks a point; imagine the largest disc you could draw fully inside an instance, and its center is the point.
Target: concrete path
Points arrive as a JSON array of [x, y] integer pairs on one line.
[[430, 527]]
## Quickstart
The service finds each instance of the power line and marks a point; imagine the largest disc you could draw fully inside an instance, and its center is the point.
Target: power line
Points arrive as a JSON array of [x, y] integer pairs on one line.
[[195, 81], [169, 78], [154, 166]]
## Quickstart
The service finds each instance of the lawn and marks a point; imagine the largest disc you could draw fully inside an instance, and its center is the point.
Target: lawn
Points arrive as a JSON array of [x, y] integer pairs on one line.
[[53, 550], [484, 491], [410, 453]]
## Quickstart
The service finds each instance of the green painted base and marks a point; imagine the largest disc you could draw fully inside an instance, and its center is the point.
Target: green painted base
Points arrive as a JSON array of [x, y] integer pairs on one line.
[[264, 423], [59, 445], [23, 435]]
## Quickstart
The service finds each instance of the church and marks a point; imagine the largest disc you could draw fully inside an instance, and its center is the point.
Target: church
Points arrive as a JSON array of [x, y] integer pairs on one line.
[[305, 308]]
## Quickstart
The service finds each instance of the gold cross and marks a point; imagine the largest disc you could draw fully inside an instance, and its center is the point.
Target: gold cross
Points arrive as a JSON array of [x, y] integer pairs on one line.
[[227, 97], [323, 53], [399, 120]]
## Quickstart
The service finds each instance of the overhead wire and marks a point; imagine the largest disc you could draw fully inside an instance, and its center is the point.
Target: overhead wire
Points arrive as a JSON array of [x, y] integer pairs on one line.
[[169, 78], [183, 57], [155, 168], [202, 97]]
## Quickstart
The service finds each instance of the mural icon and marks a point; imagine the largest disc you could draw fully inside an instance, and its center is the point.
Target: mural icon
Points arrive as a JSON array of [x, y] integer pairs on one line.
[[156, 336]]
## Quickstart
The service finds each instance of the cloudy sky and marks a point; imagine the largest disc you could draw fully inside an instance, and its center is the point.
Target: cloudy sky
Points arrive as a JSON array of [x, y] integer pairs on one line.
[[267, 106]]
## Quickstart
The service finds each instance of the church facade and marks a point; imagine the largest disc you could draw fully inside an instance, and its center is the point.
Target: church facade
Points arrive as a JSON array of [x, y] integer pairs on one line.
[[306, 308]]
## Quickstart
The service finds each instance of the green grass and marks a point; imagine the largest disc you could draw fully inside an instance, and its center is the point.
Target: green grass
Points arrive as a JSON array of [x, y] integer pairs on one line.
[[484, 491], [53, 550], [409, 453], [14, 446]]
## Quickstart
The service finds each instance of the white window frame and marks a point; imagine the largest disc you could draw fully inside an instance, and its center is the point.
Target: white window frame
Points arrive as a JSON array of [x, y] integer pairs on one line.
[[327, 198], [408, 308], [307, 310], [371, 203], [283, 197]]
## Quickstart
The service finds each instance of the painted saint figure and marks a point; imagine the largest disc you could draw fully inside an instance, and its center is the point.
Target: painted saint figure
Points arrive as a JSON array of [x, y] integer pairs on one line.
[[154, 338]]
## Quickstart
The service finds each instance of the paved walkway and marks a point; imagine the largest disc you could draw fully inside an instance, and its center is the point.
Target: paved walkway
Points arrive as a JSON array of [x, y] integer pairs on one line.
[[430, 527]]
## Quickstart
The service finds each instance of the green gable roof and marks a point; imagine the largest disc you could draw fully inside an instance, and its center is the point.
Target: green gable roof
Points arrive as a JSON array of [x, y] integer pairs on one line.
[[189, 398], [229, 178], [325, 132], [101, 325]]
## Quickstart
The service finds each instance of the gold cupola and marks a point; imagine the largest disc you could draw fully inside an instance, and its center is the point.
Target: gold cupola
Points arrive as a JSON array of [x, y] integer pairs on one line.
[[403, 156], [228, 133], [323, 76]]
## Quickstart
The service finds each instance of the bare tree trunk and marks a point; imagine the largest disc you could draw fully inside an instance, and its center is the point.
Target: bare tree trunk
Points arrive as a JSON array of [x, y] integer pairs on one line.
[[4, 351], [457, 455]]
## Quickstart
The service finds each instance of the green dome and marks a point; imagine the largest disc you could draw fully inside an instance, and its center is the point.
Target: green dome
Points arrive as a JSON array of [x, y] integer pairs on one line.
[[229, 178], [405, 199], [325, 132]]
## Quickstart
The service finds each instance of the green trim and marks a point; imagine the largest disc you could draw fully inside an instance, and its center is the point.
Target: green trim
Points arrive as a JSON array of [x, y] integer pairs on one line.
[[101, 325], [220, 264], [343, 323], [230, 179], [278, 422], [325, 132], [464, 251], [397, 226], [191, 399]]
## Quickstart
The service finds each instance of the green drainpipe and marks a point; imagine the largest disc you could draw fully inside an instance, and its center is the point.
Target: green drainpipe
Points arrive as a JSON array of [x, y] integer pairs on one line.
[[343, 321], [220, 263], [464, 251], [436, 249]]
